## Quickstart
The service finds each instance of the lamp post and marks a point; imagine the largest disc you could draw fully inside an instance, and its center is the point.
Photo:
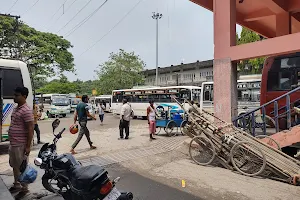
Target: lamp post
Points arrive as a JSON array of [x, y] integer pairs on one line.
[[156, 16]]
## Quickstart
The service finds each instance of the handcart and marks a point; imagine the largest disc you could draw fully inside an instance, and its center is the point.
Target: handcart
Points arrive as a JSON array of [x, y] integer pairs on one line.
[[170, 119], [215, 141]]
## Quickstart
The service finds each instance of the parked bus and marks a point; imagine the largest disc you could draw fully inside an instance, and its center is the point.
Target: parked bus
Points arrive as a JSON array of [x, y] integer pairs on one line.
[[139, 98], [248, 94], [281, 74], [13, 74], [74, 102], [46, 101], [106, 99]]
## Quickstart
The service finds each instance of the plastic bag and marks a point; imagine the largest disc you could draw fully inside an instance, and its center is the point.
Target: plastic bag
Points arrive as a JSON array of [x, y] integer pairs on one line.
[[29, 175]]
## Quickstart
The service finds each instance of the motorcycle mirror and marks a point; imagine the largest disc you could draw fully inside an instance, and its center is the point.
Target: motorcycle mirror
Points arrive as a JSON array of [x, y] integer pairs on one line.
[[38, 161], [55, 124]]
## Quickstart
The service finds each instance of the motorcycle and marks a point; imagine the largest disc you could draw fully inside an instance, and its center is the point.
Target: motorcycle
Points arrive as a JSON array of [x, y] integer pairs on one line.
[[73, 181]]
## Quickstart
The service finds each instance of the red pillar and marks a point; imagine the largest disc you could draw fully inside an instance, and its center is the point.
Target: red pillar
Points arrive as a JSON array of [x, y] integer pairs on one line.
[[283, 24], [225, 74]]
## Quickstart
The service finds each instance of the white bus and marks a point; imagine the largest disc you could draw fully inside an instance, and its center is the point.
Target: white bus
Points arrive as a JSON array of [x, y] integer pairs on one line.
[[106, 99], [13, 74], [139, 98], [248, 95]]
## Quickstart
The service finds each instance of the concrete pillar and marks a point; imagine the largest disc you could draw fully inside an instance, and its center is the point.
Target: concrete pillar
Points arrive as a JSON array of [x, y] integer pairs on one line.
[[225, 74], [283, 24], [225, 89], [224, 26]]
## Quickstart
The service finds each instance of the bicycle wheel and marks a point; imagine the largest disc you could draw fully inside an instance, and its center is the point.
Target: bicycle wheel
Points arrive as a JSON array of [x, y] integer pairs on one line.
[[171, 125], [247, 158], [182, 127], [202, 150]]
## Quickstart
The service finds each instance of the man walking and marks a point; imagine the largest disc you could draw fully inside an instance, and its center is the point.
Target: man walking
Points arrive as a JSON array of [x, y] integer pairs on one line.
[[151, 114], [37, 114], [101, 112], [81, 113], [20, 136], [125, 115]]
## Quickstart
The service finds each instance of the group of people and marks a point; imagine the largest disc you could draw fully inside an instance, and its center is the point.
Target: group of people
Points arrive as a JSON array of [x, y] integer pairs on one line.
[[24, 122]]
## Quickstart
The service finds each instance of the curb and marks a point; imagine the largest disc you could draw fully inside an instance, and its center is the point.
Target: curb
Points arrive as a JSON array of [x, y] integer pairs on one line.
[[4, 192]]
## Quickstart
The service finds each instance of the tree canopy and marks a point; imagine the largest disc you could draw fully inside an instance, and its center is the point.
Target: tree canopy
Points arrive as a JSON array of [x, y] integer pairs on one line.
[[64, 86], [45, 53], [252, 66], [122, 70]]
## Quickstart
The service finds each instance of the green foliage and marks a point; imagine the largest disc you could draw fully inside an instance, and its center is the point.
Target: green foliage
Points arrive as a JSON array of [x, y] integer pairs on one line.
[[58, 87], [253, 65], [122, 70], [63, 86], [45, 53]]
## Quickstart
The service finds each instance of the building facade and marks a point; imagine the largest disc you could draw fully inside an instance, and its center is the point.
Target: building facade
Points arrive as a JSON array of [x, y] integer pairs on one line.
[[184, 74]]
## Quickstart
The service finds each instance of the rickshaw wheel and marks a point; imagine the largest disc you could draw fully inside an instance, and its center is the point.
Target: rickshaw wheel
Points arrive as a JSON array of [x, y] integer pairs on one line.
[[247, 158], [170, 128], [202, 150], [182, 127], [270, 141], [158, 129]]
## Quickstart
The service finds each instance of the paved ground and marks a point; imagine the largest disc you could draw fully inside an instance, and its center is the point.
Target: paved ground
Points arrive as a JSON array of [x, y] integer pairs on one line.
[[154, 170]]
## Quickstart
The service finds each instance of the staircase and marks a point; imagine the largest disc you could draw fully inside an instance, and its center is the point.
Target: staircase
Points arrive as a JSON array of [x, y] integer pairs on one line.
[[248, 121]]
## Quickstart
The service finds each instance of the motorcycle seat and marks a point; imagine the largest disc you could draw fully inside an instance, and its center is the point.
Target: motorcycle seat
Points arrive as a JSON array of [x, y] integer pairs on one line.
[[84, 178]]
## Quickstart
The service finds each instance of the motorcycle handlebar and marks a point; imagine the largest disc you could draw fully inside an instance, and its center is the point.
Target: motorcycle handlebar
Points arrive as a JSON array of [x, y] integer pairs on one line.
[[60, 133]]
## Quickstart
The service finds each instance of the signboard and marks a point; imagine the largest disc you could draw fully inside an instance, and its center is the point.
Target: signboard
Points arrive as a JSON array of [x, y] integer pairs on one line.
[[138, 92], [172, 91], [94, 92], [127, 93], [148, 92], [160, 91]]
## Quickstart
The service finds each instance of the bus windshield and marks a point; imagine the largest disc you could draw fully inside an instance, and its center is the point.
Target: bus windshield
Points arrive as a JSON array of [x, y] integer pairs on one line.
[[60, 102]]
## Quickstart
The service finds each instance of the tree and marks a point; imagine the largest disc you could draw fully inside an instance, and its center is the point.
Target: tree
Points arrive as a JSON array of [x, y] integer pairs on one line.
[[122, 70], [56, 86], [252, 66], [45, 53]]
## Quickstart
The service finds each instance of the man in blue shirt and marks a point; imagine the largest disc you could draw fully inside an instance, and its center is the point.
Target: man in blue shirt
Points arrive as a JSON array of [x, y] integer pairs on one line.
[[81, 114]]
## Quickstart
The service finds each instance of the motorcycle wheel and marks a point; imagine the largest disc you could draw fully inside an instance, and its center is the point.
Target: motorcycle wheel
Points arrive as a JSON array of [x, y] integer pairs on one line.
[[48, 186]]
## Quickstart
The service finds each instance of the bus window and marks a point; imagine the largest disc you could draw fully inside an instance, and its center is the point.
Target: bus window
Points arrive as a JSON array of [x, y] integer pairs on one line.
[[11, 79], [280, 81], [207, 96]]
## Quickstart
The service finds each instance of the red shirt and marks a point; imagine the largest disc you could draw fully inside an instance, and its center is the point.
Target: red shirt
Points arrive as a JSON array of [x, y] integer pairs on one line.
[[18, 132]]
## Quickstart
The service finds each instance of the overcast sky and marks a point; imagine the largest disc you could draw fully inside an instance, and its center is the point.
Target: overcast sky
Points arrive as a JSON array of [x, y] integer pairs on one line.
[[185, 31]]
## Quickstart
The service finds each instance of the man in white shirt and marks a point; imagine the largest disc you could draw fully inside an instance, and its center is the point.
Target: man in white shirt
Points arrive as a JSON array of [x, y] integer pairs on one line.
[[125, 115]]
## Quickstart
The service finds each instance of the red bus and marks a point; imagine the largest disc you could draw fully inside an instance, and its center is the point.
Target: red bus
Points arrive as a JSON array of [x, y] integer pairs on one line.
[[280, 75]]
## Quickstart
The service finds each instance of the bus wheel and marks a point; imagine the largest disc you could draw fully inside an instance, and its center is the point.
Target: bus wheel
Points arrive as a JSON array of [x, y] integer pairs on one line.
[[64, 115], [144, 118], [134, 117]]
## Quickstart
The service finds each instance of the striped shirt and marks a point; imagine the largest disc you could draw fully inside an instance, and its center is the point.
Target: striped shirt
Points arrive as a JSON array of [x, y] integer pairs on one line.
[[18, 132]]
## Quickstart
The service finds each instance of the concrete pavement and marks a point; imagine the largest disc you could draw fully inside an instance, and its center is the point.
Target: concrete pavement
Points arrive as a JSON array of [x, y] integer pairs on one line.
[[154, 169]]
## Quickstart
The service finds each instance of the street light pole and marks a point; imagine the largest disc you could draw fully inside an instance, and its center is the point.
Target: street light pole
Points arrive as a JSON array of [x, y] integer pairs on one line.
[[156, 16]]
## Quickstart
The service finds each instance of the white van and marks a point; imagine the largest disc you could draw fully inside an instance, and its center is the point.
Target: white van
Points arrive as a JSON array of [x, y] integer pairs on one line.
[[13, 73], [60, 106]]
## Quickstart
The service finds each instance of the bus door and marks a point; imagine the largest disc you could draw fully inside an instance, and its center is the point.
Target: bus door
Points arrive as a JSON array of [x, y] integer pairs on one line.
[[208, 97]]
